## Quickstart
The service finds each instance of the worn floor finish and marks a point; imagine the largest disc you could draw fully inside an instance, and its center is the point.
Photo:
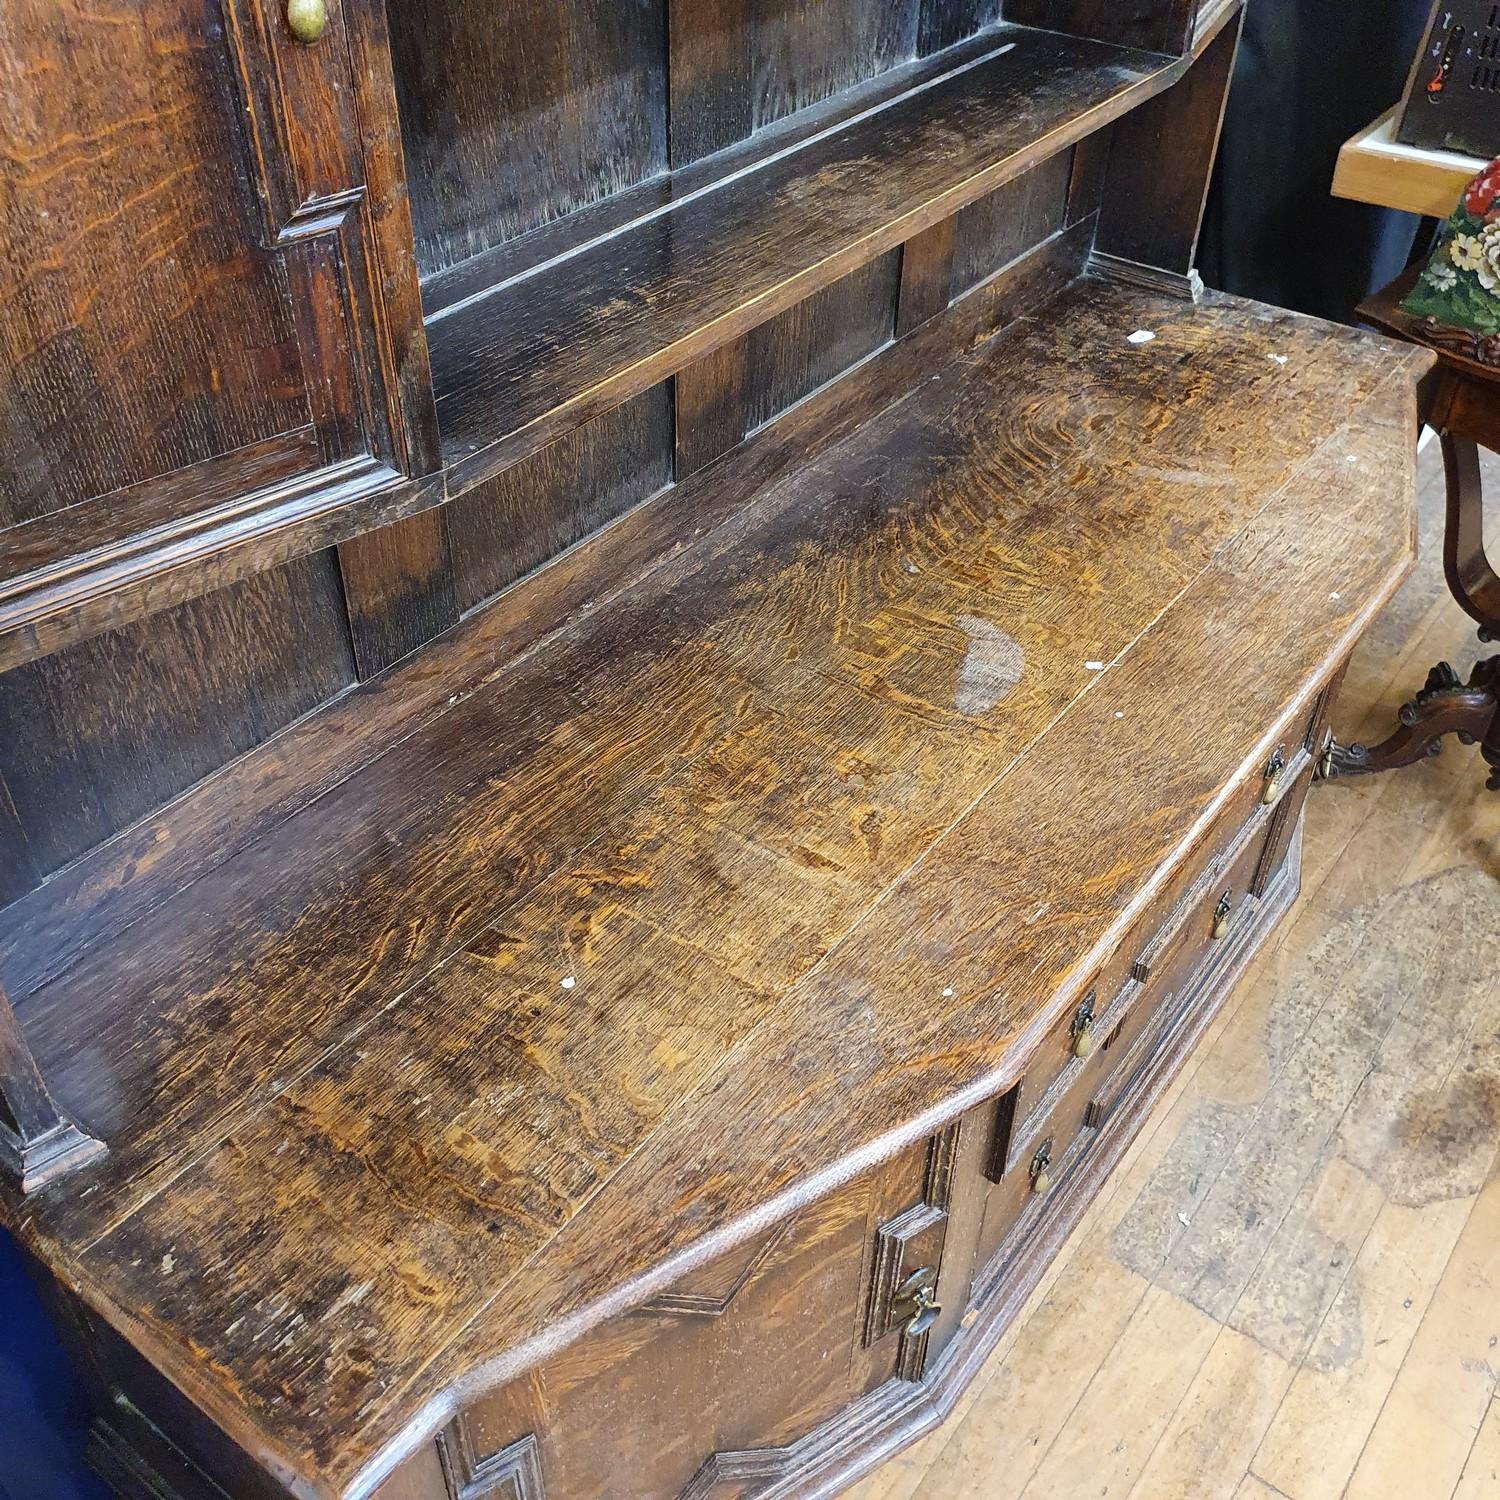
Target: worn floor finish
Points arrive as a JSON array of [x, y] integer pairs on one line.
[[1292, 1287]]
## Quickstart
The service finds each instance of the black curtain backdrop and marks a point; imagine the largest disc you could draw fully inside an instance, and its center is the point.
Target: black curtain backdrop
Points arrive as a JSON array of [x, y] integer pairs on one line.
[[1310, 74]]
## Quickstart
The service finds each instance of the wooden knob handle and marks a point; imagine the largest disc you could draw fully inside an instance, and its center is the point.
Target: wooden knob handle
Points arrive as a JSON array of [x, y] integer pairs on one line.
[[306, 19]]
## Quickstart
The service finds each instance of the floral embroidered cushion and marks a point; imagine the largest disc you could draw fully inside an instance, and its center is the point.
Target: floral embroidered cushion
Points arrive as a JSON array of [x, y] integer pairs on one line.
[[1460, 285]]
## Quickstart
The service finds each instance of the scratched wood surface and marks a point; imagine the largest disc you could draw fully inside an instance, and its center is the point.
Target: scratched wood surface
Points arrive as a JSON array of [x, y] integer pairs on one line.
[[1291, 1291], [531, 359], [712, 790]]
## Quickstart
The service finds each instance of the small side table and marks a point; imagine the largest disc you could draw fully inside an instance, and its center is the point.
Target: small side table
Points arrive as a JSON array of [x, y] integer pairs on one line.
[[1460, 400]]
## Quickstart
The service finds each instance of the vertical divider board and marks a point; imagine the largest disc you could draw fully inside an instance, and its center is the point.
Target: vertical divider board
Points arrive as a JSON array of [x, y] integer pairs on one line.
[[37, 1143], [1161, 163]]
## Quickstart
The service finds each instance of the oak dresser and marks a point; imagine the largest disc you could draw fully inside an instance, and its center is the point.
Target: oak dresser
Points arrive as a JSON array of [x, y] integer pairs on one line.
[[657, 660]]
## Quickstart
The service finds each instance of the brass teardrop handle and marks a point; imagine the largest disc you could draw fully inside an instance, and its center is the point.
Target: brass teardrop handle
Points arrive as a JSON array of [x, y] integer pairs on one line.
[[1275, 777], [915, 1306], [1041, 1168], [1221, 917], [307, 19], [1325, 760], [1083, 1027]]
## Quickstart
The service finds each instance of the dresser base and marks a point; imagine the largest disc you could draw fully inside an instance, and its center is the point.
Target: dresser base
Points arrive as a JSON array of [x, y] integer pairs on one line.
[[139, 1462]]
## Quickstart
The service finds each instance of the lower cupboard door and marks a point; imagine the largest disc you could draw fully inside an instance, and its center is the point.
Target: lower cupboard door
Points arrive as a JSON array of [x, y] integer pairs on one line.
[[707, 1391]]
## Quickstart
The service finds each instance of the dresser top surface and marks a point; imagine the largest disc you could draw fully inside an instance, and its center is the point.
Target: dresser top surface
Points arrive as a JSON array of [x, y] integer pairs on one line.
[[752, 875]]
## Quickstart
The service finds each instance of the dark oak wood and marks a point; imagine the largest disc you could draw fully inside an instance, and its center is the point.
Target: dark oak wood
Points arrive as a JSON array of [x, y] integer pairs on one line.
[[516, 115], [45, 932], [37, 1143], [523, 361], [398, 589], [332, 197], [1162, 154], [737, 756], [690, 867], [109, 729]]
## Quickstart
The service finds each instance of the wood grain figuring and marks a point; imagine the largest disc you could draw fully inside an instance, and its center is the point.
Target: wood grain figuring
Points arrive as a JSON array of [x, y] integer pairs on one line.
[[42, 935], [730, 393], [802, 54], [398, 589], [926, 276], [335, 247], [515, 117], [758, 742], [710, 76], [482, 273], [524, 363], [992, 232], [944, 22], [1352, 1360], [789, 1316], [142, 331], [815, 341], [513, 524], [97, 735]]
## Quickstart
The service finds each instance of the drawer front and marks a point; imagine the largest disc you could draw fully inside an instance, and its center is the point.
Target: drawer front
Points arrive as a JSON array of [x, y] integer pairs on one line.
[[701, 1385], [1046, 1125], [1282, 780]]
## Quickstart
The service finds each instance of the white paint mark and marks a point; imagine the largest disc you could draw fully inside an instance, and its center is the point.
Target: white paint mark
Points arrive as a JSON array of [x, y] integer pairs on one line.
[[1141, 336], [1094, 666], [569, 982], [1279, 358], [992, 667]]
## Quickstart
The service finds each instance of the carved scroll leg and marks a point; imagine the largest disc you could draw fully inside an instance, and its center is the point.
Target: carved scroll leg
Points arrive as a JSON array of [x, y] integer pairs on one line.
[[1445, 706], [37, 1143], [1470, 576]]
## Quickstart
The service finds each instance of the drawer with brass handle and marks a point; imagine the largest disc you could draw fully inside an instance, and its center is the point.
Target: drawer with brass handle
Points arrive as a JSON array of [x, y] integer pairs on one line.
[[1256, 806]]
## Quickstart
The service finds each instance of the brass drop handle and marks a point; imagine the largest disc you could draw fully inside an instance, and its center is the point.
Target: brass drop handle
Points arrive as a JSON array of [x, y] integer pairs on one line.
[[915, 1304], [1221, 917], [1275, 777], [1083, 1027], [1325, 760], [307, 19], [1041, 1168]]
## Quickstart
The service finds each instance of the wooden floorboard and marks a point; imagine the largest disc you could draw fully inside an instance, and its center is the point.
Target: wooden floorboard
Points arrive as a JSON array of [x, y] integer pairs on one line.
[[1290, 1290]]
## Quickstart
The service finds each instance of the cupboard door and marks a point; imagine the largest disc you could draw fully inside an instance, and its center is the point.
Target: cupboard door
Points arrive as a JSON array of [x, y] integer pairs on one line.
[[729, 1382], [210, 327]]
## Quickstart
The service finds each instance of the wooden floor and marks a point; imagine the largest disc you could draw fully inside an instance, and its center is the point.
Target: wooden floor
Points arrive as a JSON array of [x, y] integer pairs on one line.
[[1292, 1285]]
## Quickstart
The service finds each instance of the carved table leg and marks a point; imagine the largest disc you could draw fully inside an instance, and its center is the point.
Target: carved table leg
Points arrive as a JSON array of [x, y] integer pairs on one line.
[[1470, 576], [1444, 706]]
